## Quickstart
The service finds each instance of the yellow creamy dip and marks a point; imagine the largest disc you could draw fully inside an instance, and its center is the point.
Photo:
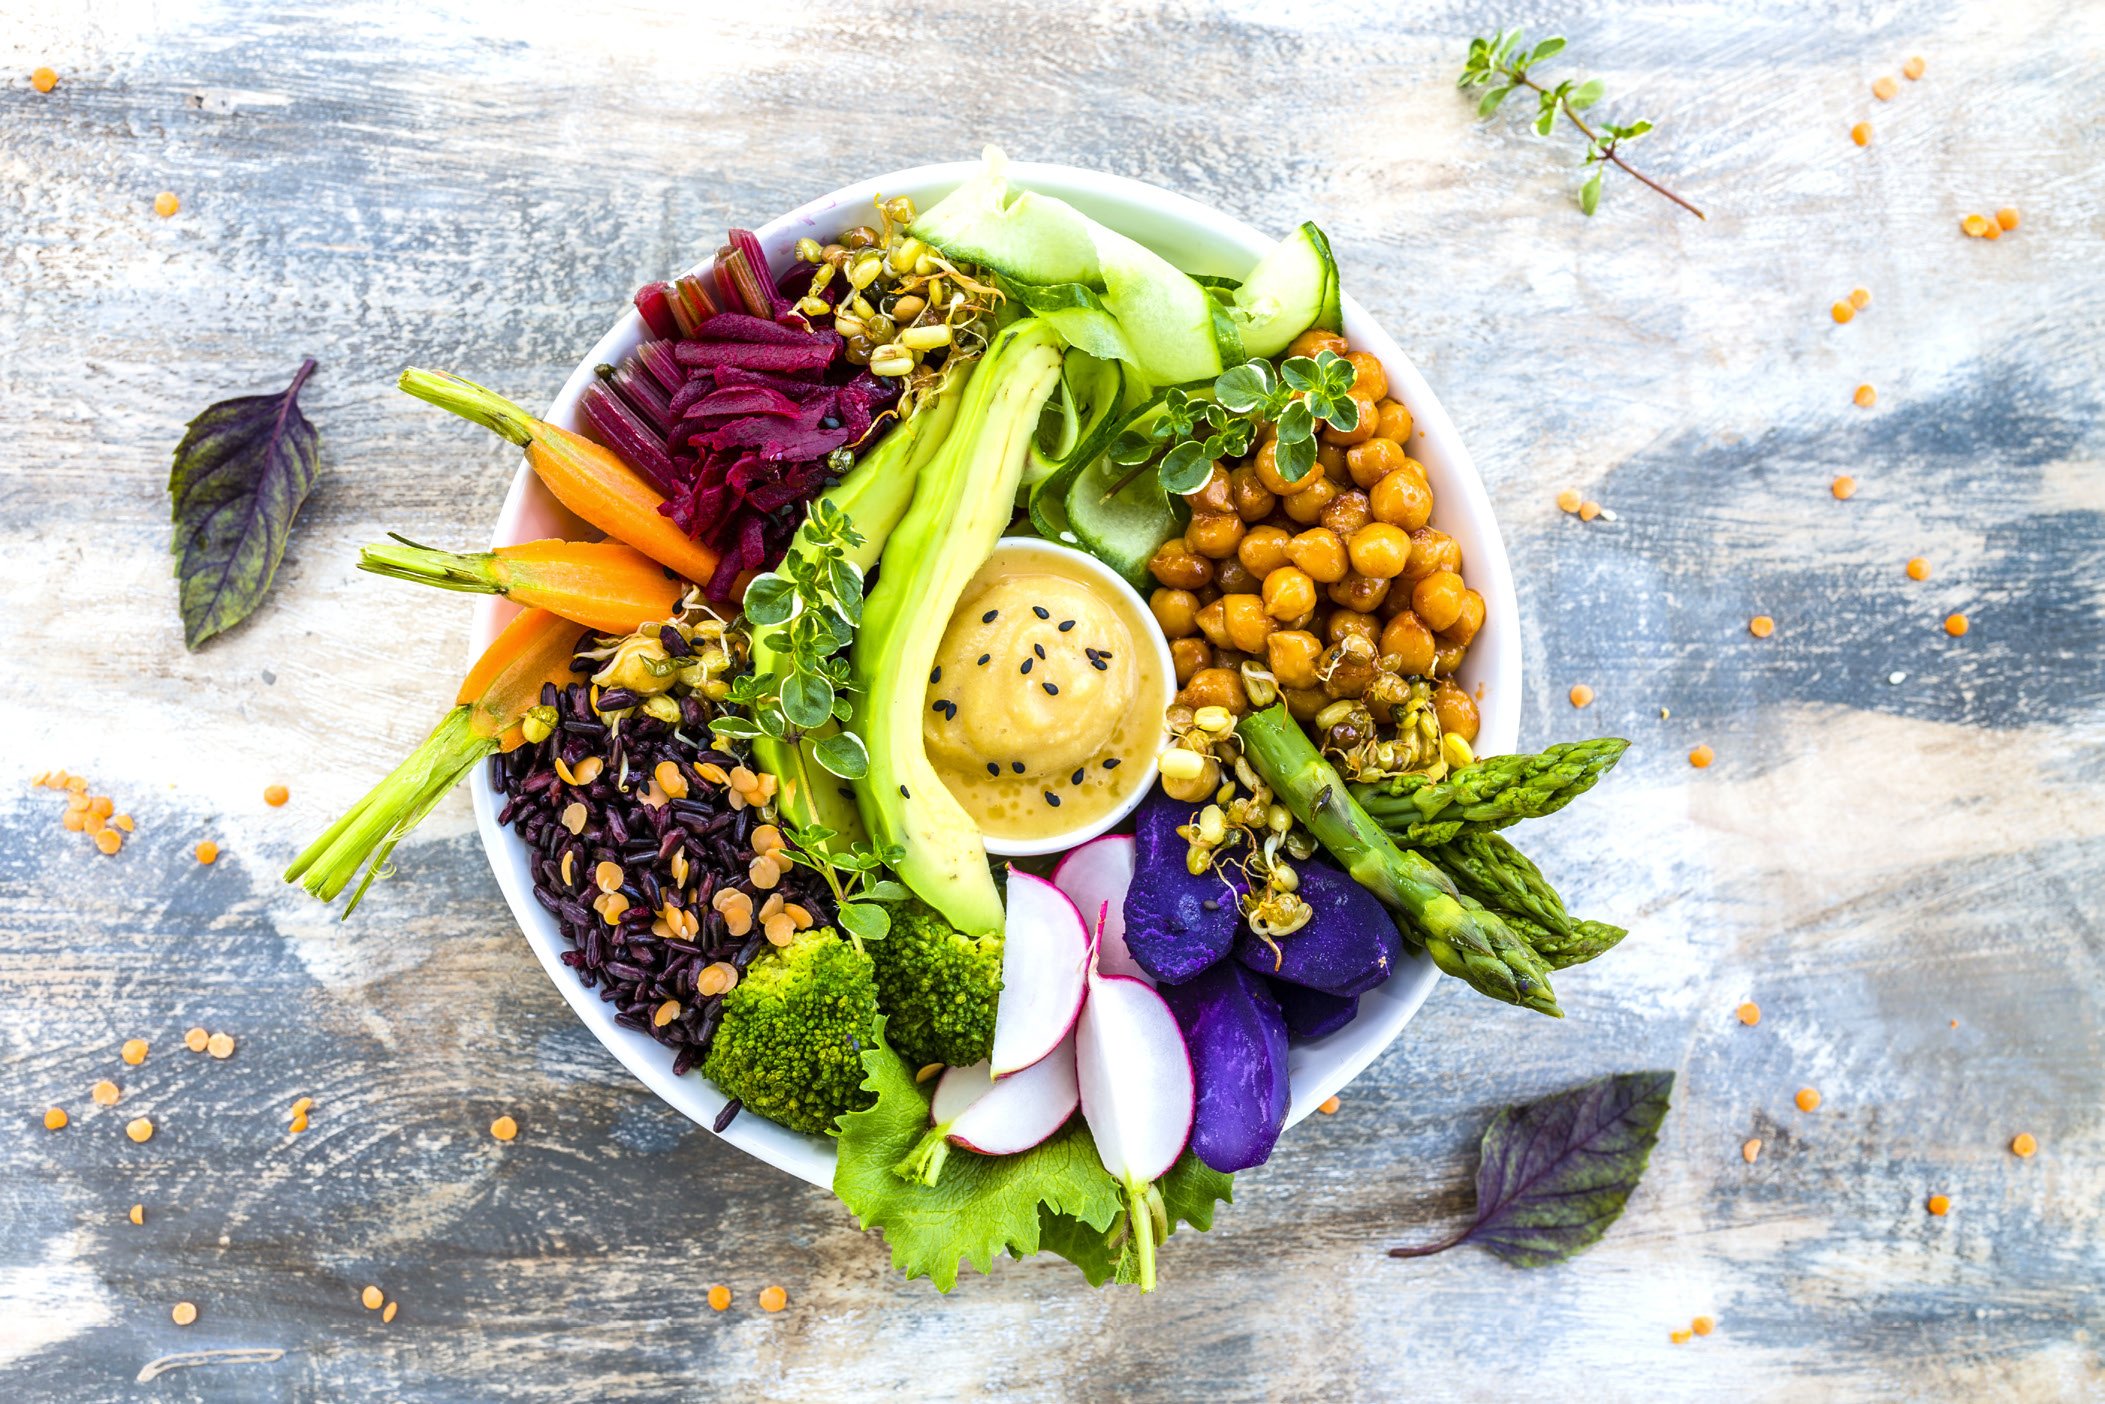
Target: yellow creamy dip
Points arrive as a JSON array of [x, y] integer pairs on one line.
[[1044, 708]]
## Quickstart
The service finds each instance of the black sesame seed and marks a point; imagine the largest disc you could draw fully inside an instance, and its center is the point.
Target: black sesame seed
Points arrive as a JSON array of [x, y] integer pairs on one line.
[[1111, 762], [989, 616], [1026, 666], [1041, 611], [1100, 665], [937, 675], [1052, 799], [1016, 766], [938, 705], [1103, 653], [1038, 649], [903, 794], [993, 767], [1065, 625], [983, 659], [1081, 773], [1050, 690], [1090, 654]]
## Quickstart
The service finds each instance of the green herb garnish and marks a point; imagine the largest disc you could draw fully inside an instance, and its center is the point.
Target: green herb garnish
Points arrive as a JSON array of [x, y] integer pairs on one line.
[[1191, 434], [812, 603], [1556, 1173], [1500, 63], [855, 876]]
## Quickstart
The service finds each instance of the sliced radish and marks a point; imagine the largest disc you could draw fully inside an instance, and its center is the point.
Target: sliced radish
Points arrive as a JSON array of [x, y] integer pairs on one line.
[[1012, 1115], [972, 1110], [1044, 974], [1135, 1075], [1099, 872]]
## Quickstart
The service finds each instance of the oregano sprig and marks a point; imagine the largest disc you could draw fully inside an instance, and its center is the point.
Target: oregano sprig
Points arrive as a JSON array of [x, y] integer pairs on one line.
[[811, 604], [1190, 434], [1502, 64]]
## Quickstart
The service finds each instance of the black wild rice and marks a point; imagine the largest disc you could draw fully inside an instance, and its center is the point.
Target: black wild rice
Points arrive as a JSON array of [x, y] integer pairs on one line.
[[633, 969]]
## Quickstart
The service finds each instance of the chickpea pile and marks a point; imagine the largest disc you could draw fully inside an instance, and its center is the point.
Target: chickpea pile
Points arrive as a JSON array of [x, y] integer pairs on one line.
[[1333, 589]]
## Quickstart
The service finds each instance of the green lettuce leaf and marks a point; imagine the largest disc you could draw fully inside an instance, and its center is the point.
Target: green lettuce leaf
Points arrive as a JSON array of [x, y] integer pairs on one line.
[[239, 477], [982, 1205], [1189, 1192]]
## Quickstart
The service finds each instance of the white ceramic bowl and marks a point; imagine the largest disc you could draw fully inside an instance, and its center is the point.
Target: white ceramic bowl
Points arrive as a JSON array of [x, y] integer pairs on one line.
[[1199, 240]]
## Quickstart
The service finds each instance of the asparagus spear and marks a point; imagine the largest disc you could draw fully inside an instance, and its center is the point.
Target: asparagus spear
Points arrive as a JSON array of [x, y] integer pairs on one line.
[[1489, 794], [1463, 938], [1490, 869]]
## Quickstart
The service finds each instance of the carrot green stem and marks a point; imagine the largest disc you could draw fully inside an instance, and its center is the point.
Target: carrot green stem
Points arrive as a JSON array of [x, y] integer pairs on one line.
[[373, 826], [470, 401], [403, 559]]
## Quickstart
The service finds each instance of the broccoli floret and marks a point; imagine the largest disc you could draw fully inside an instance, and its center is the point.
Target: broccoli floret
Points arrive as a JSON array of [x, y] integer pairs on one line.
[[794, 1029], [937, 988]]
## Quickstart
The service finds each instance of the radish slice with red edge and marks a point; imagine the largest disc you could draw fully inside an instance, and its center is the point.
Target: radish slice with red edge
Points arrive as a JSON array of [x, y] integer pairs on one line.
[[1138, 1096], [970, 1109], [1098, 872], [1044, 974]]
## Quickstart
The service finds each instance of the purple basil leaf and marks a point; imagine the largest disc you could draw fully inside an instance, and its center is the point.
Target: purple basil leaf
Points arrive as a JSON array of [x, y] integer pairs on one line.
[[239, 477], [1556, 1173]]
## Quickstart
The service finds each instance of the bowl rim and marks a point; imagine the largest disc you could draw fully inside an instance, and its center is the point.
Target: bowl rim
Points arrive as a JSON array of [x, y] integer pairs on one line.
[[1317, 1068]]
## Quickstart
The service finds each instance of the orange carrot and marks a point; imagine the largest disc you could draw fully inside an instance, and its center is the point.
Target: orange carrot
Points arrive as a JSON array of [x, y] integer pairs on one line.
[[502, 687], [588, 479], [601, 584]]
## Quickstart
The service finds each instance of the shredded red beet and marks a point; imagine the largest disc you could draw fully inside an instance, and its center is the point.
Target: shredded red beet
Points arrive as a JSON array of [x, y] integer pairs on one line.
[[736, 407]]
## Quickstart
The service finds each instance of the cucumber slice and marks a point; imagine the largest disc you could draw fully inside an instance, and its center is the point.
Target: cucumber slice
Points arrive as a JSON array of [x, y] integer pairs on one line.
[[1079, 420], [1078, 507], [1078, 315], [1292, 288], [1166, 317], [1033, 238]]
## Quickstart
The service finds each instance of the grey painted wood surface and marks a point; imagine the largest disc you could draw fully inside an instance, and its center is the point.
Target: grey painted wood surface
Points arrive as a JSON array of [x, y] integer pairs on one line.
[[1903, 873]]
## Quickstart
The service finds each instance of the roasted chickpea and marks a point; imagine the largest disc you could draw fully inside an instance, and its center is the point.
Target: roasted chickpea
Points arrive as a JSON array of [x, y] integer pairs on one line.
[[1402, 500], [1431, 550], [1267, 465], [1456, 710], [1303, 703], [1406, 638], [1213, 496], [1235, 578], [1369, 380], [1392, 420], [1214, 534], [1288, 594], [1351, 623], [1178, 567], [1206, 594], [1308, 505], [1212, 620], [1188, 656], [1471, 619], [1320, 553], [1347, 667], [1331, 459], [1247, 623], [1362, 594], [1359, 432], [1447, 658], [1348, 512], [1176, 612], [1215, 687], [1374, 460], [1253, 500], [1437, 599], [1315, 341], [1292, 654], [1263, 550], [1380, 550], [1228, 657]]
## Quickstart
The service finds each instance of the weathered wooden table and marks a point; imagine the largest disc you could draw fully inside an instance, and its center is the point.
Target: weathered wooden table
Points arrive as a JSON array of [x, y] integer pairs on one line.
[[1897, 852]]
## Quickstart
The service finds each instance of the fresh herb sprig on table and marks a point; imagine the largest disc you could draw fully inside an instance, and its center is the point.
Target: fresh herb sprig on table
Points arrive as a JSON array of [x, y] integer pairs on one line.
[[813, 602], [854, 874], [1500, 63], [1191, 434]]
